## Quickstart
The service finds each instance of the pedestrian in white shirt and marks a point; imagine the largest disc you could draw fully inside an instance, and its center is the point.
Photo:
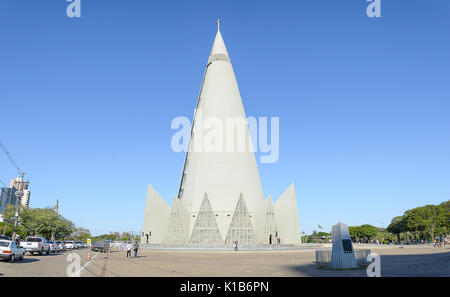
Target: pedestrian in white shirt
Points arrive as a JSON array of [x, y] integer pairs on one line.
[[129, 248]]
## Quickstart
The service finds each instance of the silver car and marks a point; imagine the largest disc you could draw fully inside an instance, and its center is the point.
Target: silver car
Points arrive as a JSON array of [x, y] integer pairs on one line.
[[61, 245], [11, 250], [54, 247]]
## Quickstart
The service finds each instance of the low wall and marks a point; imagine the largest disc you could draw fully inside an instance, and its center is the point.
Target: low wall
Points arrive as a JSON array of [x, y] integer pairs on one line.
[[262, 247], [391, 246], [323, 256]]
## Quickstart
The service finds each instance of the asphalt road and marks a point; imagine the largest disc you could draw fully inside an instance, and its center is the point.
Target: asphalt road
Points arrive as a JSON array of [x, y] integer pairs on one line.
[[45, 265], [394, 262]]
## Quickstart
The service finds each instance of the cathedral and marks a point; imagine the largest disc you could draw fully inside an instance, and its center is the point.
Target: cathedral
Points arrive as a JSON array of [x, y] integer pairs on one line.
[[220, 198]]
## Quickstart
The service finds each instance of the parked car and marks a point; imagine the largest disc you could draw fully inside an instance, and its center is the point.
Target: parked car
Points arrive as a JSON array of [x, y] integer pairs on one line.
[[100, 246], [36, 244], [11, 250], [61, 245], [53, 247], [70, 245]]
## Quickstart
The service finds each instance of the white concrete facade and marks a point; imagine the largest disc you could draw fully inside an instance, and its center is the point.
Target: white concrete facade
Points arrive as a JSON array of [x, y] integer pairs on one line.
[[222, 188], [156, 218]]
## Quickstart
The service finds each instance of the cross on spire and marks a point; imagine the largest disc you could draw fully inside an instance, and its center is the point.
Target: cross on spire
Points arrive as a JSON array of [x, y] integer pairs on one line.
[[218, 24]]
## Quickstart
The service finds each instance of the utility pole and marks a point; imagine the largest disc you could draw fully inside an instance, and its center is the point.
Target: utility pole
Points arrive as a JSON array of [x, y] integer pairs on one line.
[[56, 210], [4, 228], [19, 195]]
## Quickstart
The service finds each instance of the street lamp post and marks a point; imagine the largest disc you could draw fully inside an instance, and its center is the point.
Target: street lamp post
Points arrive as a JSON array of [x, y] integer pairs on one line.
[[19, 195]]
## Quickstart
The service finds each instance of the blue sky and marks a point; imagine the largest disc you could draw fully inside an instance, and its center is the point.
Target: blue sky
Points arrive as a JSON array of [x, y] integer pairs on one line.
[[86, 104]]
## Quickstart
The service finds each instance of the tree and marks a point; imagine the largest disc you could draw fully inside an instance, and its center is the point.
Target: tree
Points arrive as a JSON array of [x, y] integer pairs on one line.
[[397, 226], [354, 233], [446, 206], [103, 237], [81, 234], [9, 217], [385, 237], [44, 222], [368, 231], [314, 235], [116, 235], [424, 220]]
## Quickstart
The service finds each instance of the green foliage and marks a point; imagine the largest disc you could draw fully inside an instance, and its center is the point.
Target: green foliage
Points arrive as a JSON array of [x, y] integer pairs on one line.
[[397, 226], [385, 236], [124, 236], [80, 234], [36, 221], [323, 234], [354, 232], [7, 227], [315, 237], [446, 206], [364, 232], [103, 237], [424, 220], [9, 213], [422, 223], [44, 222], [368, 231]]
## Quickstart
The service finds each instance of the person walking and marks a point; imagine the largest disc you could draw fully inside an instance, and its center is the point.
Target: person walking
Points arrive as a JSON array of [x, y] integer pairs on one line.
[[135, 249], [129, 247], [235, 246]]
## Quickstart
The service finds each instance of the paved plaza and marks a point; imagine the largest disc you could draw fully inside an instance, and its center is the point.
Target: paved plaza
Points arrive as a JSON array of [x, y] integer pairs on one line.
[[395, 261]]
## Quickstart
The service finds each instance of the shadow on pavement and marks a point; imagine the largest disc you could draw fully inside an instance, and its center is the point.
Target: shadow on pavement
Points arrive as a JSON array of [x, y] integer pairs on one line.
[[415, 265], [25, 260], [44, 255], [314, 271], [422, 265]]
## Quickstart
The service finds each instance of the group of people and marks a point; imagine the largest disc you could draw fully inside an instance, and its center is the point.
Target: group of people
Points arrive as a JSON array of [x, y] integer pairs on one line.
[[440, 241], [134, 247]]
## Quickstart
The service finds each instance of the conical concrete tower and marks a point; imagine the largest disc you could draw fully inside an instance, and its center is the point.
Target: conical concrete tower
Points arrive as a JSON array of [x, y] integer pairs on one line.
[[220, 161], [220, 198]]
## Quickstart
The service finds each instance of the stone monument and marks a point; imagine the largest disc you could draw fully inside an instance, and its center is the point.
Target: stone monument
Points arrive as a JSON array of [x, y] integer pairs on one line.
[[342, 254]]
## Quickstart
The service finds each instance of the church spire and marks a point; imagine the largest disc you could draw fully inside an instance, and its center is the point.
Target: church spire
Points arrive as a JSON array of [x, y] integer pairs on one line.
[[228, 169], [218, 45], [218, 24]]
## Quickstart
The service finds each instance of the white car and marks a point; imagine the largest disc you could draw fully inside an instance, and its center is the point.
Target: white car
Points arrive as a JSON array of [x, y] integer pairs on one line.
[[70, 245], [61, 245], [11, 250]]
